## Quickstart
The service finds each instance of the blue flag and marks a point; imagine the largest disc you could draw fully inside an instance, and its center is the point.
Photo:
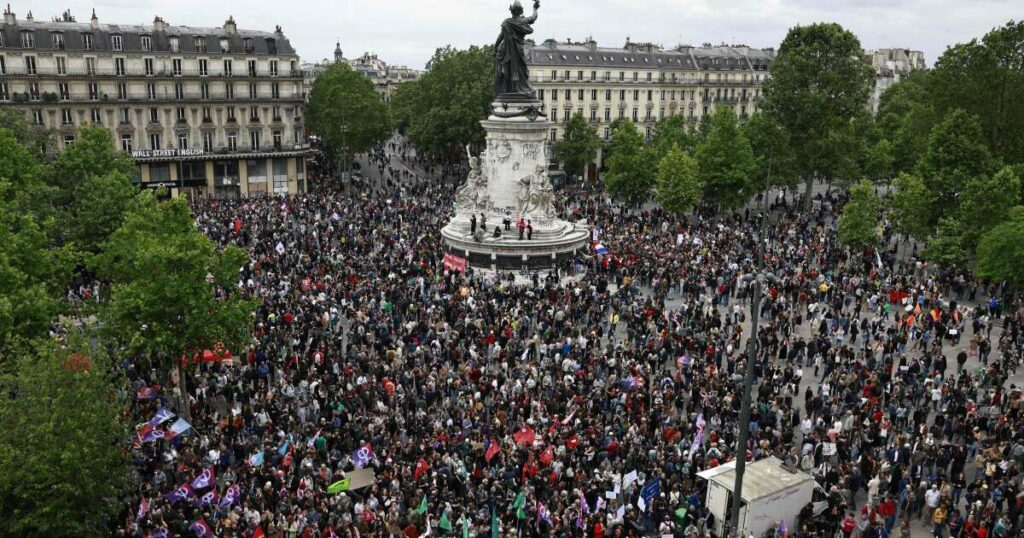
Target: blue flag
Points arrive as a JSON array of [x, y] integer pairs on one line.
[[650, 490]]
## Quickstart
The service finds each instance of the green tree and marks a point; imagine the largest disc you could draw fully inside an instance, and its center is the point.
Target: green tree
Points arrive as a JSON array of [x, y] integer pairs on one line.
[[39, 141], [172, 291], [956, 153], [879, 162], [441, 112], [910, 206], [726, 162], [819, 85], [62, 464], [1001, 252], [98, 209], [579, 147], [90, 156], [946, 247], [346, 112], [857, 227], [772, 151], [678, 185], [986, 202], [631, 169], [906, 116], [672, 131]]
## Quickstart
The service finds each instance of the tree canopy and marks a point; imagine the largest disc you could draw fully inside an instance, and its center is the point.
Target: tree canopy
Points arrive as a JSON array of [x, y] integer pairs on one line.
[[678, 182], [346, 112], [631, 167], [579, 147], [858, 226], [726, 162]]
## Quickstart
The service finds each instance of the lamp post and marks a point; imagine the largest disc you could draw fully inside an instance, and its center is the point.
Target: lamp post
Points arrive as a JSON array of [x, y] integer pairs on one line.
[[756, 279]]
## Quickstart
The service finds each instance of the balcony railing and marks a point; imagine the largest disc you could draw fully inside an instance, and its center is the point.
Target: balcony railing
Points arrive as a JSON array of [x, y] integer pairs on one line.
[[78, 97], [160, 73]]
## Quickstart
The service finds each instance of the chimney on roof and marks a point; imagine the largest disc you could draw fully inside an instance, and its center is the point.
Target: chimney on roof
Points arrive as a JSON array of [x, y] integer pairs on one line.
[[28, 17], [229, 25], [9, 17], [95, 21], [158, 24], [278, 30]]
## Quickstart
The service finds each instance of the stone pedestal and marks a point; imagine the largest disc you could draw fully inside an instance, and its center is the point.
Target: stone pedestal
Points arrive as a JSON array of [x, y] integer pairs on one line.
[[511, 181]]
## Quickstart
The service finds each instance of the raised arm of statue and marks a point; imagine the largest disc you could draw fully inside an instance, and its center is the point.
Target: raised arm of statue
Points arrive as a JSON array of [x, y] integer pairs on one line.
[[533, 18]]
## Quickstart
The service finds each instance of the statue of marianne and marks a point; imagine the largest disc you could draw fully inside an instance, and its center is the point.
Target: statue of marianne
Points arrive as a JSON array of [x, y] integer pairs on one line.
[[512, 77]]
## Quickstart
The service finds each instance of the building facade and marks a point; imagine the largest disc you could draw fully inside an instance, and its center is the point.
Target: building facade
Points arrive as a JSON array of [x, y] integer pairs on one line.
[[644, 82], [890, 66], [385, 78], [202, 111]]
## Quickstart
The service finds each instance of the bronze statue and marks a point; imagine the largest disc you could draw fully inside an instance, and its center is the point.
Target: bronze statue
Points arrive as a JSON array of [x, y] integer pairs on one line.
[[512, 76]]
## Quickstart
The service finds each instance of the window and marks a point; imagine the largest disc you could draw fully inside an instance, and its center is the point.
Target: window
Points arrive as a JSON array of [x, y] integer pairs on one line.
[[62, 89], [229, 90], [232, 141], [33, 91], [126, 143], [147, 65], [273, 68], [579, 95], [206, 114], [28, 39], [3, 66], [554, 95], [254, 114], [94, 91], [154, 141], [3, 91], [634, 76], [30, 65], [204, 90], [179, 91], [154, 116], [554, 135], [607, 75], [231, 113], [1, 39], [593, 75], [271, 46], [66, 118], [622, 95], [122, 90], [579, 75], [554, 114], [207, 141], [607, 114], [94, 116], [182, 141], [225, 45], [250, 45], [115, 42], [202, 68], [180, 113], [176, 67], [151, 90], [200, 43], [275, 91], [257, 175], [276, 113], [87, 41], [593, 95], [593, 114], [636, 114], [68, 140], [277, 139], [648, 77], [62, 65], [37, 117], [119, 67], [299, 135], [252, 90], [636, 95], [126, 116], [607, 132], [607, 95], [566, 74], [159, 173], [227, 68], [554, 75], [540, 94], [280, 176], [174, 43], [147, 43], [568, 95], [650, 94], [90, 66], [622, 75], [252, 68]]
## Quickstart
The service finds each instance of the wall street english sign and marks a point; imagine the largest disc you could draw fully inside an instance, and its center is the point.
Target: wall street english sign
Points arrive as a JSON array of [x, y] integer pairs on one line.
[[165, 153]]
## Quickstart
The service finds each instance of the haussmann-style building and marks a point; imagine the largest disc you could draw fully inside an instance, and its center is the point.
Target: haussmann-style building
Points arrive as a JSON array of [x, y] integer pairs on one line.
[[202, 111]]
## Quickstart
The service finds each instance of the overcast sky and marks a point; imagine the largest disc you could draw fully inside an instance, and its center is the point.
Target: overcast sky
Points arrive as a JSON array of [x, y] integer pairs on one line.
[[408, 31]]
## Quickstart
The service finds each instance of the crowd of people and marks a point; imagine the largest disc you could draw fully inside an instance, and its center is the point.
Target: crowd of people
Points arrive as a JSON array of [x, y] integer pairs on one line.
[[489, 405]]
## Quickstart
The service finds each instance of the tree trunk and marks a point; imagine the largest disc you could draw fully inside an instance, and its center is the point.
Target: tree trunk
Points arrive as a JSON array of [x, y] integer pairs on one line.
[[808, 187]]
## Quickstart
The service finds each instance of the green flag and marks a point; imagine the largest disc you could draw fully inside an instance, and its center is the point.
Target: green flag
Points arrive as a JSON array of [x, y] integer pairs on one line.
[[465, 527], [445, 524], [422, 508], [520, 500], [681, 513], [494, 524], [339, 486]]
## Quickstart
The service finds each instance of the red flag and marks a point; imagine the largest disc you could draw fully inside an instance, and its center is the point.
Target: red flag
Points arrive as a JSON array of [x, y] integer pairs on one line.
[[287, 458], [258, 533], [421, 467], [492, 450], [572, 442], [238, 224], [547, 456], [525, 436]]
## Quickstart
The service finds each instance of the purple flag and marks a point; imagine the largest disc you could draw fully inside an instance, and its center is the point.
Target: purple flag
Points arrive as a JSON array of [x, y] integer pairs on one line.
[[162, 415], [143, 508], [153, 435], [204, 479], [362, 456], [202, 529], [183, 491], [313, 439], [231, 496], [160, 532], [208, 498]]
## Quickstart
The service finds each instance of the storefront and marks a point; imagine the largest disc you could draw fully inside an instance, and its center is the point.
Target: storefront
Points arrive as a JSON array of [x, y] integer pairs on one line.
[[195, 173]]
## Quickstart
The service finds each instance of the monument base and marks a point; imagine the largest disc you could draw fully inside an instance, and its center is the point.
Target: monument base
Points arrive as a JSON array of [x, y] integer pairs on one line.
[[513, 184]]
